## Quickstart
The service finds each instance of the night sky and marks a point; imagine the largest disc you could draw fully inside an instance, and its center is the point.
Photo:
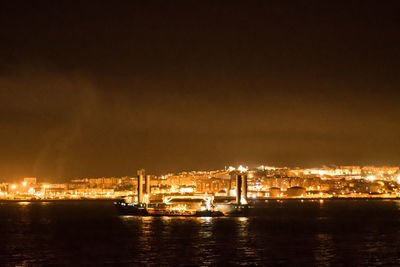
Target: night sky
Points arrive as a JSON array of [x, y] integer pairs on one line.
[[103, 89]]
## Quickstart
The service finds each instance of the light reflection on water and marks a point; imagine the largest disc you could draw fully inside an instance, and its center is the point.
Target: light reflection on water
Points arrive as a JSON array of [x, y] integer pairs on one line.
[[24, 203], [286, 233]]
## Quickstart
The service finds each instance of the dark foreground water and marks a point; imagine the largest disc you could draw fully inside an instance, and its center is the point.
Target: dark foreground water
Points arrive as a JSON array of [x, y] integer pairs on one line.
[[335, 232]]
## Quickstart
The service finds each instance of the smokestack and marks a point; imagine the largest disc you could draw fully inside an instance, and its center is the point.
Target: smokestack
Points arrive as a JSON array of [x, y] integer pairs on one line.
[[140, 185], [229, 187], [140, 189], [148, 185], [238, 188], [244, 188], [231, 176]]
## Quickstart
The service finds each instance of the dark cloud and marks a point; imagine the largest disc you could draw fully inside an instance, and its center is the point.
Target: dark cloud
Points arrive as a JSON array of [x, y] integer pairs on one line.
[[105, 89]]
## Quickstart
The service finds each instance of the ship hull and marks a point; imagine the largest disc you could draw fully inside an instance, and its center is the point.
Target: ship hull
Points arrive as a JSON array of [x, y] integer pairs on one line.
[[130, 210], [135, 210]]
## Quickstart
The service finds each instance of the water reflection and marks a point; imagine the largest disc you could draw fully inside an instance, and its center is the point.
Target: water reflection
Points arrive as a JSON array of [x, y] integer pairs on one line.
[[287, 233], [24, 203]]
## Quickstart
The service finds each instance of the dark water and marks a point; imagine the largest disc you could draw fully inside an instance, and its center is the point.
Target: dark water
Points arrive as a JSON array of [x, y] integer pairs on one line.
[[336, 232]]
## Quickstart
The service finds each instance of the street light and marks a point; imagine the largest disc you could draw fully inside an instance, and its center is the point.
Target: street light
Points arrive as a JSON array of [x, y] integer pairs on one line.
[[371, 178]]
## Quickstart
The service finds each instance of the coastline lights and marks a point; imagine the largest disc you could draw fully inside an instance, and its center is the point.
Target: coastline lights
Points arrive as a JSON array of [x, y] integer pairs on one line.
[[231, 169], [242, 169], [371, 178], [261, 168]]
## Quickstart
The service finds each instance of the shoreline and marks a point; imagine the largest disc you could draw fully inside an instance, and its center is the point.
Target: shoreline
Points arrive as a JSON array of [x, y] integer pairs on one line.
[[251, 201], [57, 200], [328, 198]]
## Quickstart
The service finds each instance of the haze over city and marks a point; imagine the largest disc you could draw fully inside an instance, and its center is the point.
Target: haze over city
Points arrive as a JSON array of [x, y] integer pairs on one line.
[[99, 90], [199, 133]]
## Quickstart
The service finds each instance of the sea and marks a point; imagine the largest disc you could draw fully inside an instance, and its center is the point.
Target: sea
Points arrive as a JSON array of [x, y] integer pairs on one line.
[[283, 233]]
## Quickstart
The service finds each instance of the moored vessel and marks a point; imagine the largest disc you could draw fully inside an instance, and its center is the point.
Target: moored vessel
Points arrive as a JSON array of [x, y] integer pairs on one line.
[[186, 206], [183, 204]]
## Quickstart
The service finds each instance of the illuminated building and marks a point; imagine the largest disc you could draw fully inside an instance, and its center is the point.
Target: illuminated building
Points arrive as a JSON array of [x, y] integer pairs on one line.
[[274, 192], [211, 185], [30, 181], [296, 191]]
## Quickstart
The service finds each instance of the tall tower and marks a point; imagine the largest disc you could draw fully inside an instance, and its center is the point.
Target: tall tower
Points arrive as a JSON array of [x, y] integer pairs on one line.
[[147, 183], [238, 188], [244, 189], [232, 177], [141, 174]]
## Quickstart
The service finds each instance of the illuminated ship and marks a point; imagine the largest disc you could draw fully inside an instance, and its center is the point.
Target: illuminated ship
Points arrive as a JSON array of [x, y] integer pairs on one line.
[[183, 205], [189, 206]]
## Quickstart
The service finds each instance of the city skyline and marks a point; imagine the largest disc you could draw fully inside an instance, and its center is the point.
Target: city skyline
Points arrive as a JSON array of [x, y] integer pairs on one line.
[[255, 184], [297, 171], [199, 133], [225, 168]]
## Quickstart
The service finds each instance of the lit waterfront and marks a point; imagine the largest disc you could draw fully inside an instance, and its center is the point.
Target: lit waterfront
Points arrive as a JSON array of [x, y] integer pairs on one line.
[[199, 133], [262, 183]]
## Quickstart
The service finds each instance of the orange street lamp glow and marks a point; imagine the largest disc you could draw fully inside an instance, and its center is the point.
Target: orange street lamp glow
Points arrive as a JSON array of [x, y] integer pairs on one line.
[[371, 178]]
